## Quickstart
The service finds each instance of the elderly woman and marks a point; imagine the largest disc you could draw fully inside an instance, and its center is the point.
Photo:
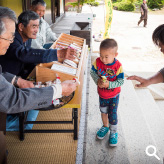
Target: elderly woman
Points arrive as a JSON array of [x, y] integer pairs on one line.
[[13, 99]]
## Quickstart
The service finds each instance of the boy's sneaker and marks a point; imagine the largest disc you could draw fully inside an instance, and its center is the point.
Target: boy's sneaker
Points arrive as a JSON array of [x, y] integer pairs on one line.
[[102, 132], [113, 139]]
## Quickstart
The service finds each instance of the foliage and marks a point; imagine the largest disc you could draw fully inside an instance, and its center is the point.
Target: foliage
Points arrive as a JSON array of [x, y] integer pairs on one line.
[[93, 3], [90, 2], [124, 6], [151, 3], [115, 1], [155, 4]]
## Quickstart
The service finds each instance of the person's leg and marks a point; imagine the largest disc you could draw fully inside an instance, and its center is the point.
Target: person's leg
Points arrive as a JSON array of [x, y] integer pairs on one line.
[[101, 133], [113, 120], [145, 22], [140, 21], [47, 46]]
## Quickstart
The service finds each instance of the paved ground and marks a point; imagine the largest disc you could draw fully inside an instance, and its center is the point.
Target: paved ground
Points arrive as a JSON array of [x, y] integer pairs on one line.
[[137, 53], [136, 49]]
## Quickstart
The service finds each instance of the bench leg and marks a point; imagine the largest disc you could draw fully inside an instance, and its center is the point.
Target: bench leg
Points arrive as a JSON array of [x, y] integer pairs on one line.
[[21, 126], [75, 122]]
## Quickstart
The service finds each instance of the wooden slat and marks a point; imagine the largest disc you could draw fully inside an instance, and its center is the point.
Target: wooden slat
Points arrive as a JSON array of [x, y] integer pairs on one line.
[[76, 101]]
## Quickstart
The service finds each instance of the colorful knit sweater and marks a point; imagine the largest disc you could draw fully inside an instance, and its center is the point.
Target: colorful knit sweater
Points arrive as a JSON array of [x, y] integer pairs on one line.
[[114, 74]]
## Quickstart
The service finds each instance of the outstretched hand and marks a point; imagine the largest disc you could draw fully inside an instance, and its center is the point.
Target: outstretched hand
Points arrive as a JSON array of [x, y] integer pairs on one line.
[[143, 82], [67, 53], [68, 87]]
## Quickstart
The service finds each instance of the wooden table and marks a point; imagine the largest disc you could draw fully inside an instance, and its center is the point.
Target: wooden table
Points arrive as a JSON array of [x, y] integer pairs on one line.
[[75, 104]]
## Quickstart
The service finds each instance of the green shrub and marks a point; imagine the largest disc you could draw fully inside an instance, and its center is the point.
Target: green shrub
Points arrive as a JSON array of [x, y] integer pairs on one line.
[[115, 1], [124, 6], [94, 3], [155, 4]]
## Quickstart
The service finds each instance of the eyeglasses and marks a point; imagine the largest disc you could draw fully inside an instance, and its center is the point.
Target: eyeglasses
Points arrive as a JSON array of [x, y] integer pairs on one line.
[[10, 40]]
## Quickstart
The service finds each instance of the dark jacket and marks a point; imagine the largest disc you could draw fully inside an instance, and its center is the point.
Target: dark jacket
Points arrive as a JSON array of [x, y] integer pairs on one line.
[[20, 56], [144, 10]]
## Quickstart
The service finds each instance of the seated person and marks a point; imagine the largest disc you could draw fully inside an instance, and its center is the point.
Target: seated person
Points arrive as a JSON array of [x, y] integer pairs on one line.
[[20, 55], [45, 33], [13, 99]]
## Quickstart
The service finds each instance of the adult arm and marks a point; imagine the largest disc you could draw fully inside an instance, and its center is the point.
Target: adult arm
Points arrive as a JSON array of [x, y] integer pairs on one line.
[[8, 76], [157, 78], [50, 36], [15, 100], [21, 83], [142, 10], [30, 55]]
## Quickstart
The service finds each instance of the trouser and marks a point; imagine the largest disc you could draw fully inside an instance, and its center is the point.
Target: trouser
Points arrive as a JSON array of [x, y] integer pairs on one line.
[[3, 157], [47, 46], [109, 106], [145, 21]]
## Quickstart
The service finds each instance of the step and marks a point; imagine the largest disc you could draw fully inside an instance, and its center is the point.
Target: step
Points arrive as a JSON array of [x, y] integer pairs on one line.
[[160, 104], [98, 151], [135, 128], [153, 116], [157, 90]]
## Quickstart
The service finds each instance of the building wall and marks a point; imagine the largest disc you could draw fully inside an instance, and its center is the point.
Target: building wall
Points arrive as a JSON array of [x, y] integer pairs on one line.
[[15, 5]]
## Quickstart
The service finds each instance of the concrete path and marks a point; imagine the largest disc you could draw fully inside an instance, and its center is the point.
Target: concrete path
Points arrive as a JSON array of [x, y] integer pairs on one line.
[[136, 49], [137, 53]]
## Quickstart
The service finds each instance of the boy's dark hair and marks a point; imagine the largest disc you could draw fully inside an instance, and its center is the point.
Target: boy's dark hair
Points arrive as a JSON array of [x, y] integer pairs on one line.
[[39, 2], [108, 43], [158, 35], [26, 16]]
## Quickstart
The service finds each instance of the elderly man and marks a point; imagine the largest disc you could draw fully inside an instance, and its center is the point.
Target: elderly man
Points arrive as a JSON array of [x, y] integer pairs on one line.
[[20, 57], [45, 33], [15, 100], [144, 11]]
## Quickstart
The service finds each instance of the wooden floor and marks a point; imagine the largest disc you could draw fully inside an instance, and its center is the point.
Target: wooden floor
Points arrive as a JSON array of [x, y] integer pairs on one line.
[[66, 24]]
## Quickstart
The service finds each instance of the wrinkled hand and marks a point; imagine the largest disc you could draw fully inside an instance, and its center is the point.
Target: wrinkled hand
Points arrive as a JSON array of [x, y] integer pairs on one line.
[[67, 53], [143, 82], [103, 84], [24, 83], [68, 87]]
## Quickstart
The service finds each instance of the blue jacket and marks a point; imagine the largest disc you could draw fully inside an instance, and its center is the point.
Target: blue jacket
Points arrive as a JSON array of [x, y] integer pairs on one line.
[[20, 54]]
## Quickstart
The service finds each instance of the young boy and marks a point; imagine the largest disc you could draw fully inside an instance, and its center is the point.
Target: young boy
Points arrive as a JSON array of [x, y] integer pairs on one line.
[[108, 74]]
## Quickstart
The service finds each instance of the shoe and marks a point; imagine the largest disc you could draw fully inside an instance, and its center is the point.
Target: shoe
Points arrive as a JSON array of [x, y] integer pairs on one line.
[[113, 139], [102, 132]]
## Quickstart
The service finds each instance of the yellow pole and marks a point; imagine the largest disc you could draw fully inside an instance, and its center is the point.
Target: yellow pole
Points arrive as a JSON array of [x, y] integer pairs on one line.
[[109, 15]]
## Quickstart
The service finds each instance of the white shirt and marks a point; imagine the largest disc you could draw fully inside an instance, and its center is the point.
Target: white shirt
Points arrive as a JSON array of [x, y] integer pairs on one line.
[[44, 34]]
